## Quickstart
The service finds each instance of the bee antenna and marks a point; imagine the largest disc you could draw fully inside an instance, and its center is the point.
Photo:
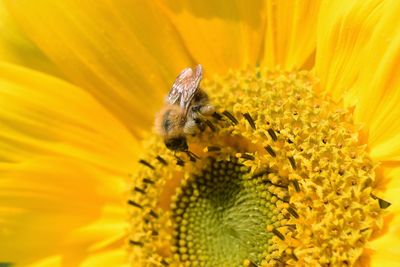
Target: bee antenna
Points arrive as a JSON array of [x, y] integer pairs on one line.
[[191, 154]]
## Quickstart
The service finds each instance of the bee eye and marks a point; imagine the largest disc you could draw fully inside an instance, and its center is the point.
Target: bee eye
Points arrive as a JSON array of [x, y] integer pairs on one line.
[[176, 144]]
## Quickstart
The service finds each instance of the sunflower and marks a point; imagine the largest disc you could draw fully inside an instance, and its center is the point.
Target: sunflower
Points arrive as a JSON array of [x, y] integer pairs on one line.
[[297, 166]]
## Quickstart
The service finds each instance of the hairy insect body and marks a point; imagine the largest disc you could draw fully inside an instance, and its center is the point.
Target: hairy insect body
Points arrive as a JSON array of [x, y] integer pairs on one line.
[[185, 108], [170, 125]]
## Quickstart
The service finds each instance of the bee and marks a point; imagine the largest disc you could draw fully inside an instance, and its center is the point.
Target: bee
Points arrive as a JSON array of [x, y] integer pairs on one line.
[[185, 107]]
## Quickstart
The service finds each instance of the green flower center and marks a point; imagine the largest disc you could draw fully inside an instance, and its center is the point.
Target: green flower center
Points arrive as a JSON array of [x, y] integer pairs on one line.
[[279, 178], [221, 216]]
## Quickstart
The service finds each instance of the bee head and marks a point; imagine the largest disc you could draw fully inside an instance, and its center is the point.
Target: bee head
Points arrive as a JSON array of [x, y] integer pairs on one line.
[[177, 143]]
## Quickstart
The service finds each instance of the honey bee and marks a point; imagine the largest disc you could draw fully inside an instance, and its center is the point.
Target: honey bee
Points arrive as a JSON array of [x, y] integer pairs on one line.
[[185, 107]]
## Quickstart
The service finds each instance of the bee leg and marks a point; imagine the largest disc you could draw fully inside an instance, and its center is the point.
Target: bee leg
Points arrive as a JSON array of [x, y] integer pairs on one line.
[[207, 110], [204, 110], [200, 124], [190, 127]]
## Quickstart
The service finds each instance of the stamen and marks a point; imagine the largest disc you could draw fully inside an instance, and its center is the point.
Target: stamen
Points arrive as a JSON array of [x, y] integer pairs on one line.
[[278, 234], [295, 257], [245, 156], [139, 190], [154, 214], [136, 243], [162, 160], [193, 154], [231, 117], [272, 134], [133, 203], [250, 120], [278, 185], [164, 262], [145, 163], [296, 185], [210, 125], [262, 173], [148, 181], [212, 149], [292, 162], [383, 204], [270, 151], [292, 211]]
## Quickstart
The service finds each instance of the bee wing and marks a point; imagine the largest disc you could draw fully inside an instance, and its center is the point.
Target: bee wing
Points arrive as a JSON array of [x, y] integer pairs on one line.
[[177, 89], [184, 87]]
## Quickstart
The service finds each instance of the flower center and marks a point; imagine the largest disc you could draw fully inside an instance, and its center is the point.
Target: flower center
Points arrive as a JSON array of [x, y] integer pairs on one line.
[[221, 216], [277, 177]]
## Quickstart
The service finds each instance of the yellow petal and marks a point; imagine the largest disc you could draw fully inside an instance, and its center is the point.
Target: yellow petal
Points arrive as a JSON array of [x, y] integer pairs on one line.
[[52, 261], [379, 107], [15, 47], [357, 60], [125, 53], [108, 229], [46, 201], [290, 33], [386, 248], [378, 86], [65, 159], [343, 31], [236, 34], [43, 115], [385, 259], [116, 257], [219, 35]]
